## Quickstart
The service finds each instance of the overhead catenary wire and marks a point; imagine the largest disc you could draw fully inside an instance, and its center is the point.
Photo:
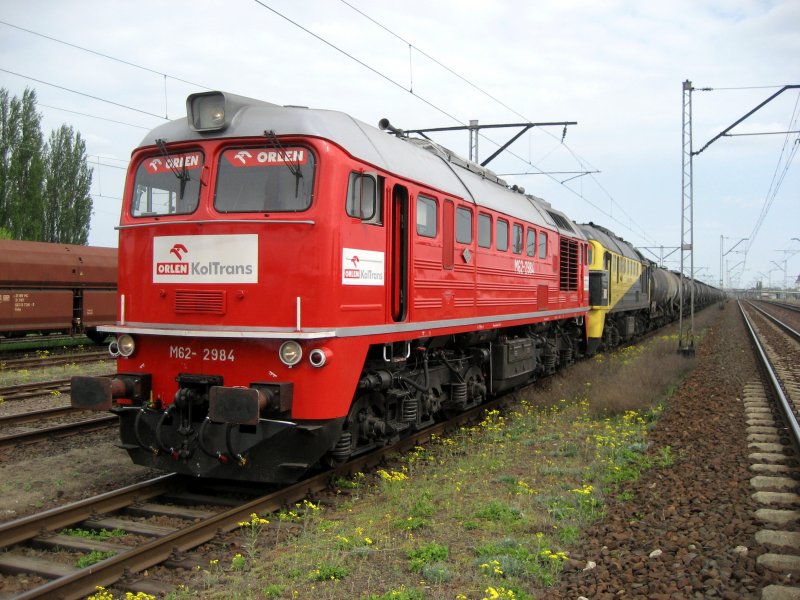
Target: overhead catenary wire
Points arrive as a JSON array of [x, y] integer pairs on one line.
[[586, 166], [789, 151], [101, 54], [66, 89], [577, 193], [75, 112]]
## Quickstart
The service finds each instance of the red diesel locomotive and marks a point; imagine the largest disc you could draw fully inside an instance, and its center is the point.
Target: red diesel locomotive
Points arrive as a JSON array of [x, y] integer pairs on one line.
[[297, 287]]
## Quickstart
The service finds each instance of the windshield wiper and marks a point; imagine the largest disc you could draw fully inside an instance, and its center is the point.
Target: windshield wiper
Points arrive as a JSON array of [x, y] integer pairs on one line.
[[182, 175], [294, 167]]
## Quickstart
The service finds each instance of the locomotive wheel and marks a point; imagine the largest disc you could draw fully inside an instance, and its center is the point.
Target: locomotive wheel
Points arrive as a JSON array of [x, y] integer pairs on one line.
[[363, 429], [474, 390]]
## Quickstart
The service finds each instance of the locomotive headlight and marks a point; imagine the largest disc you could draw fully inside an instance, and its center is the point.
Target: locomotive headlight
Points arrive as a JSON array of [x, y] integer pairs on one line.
[[206, 111], [126, 345], [290, 353]]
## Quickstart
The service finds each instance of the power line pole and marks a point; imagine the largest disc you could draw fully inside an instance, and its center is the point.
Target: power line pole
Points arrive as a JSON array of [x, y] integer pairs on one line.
[[686, 339]]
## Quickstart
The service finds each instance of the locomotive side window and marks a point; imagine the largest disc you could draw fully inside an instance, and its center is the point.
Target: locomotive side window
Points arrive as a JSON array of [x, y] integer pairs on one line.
[[427, 224], [167, 185], [501, 235], [362, 198], [463, 225], [530, 248], [542, 244], [484, 230], [265, 180], [516, 238]]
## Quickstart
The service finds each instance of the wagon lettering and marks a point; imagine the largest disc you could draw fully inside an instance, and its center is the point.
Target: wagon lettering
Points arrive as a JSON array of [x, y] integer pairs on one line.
[[180, 352], [218, 354], [523, 267]]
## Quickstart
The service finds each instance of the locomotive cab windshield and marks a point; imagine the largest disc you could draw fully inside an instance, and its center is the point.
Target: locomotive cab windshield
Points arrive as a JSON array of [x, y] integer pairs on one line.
[[265, 180], [168, 184]]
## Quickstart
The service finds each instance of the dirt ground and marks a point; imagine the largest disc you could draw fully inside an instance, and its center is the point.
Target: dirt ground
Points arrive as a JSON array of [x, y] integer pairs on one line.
[[53, 473]]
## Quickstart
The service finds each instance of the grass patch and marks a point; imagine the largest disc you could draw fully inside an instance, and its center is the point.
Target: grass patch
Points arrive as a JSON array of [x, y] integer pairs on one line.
[[92, 558], [94, 534]]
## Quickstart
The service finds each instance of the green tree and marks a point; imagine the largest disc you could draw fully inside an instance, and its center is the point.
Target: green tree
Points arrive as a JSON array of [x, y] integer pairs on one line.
[[44, 189], [67, 203], [23, 169]]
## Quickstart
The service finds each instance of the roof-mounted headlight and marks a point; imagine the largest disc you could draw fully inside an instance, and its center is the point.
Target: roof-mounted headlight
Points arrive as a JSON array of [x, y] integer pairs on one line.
[[206, 111]]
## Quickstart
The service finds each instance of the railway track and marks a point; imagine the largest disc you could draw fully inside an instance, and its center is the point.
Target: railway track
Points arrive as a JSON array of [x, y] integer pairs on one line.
[[45, 340], [772, 407], [34, 546], [53, 360], [48, 432], [33, 390]]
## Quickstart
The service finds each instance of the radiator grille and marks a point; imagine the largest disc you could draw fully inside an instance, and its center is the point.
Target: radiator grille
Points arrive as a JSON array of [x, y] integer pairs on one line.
[[569, 265], [207, 302]]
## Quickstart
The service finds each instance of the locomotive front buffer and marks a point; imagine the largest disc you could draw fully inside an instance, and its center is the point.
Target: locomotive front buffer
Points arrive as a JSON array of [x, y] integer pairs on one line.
[[209, 430]]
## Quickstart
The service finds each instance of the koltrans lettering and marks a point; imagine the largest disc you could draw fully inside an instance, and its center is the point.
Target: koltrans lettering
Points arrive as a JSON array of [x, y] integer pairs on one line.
[[216, 268], [212, 268], [363, 274]]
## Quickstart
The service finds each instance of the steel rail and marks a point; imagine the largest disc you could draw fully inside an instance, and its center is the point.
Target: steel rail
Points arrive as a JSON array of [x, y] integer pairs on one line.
[[786, 305], [783, 403], [792, 332], [35, 415], [57, 431], [29, 527], [31, 390], [54, 360]]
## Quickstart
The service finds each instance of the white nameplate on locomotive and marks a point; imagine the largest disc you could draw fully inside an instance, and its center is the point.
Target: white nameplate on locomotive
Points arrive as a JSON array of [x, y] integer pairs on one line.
[[362, 267], [205, 259]]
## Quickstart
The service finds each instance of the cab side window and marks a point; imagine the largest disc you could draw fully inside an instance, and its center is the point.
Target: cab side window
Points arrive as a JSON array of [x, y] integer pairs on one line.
[[542, 244], [363, 200]]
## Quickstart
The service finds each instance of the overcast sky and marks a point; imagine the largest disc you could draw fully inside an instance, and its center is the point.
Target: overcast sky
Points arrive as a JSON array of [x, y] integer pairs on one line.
[[615, 67]]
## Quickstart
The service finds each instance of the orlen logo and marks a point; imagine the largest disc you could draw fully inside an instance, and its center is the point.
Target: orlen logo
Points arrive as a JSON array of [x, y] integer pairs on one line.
[[355, 272], [174, 268]]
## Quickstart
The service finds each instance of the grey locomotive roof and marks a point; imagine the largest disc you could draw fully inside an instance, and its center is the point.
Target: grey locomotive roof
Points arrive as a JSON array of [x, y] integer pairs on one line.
[[417, 160], [610, 240]]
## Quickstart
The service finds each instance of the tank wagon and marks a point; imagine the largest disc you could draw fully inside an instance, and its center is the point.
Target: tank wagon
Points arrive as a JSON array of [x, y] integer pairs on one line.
[[298, 287], [629, 294], [56, 288]]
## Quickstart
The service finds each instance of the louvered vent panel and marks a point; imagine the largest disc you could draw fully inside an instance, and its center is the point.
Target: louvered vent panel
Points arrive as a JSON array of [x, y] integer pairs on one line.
[[569, 265], [206, 302], [560, 221]]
